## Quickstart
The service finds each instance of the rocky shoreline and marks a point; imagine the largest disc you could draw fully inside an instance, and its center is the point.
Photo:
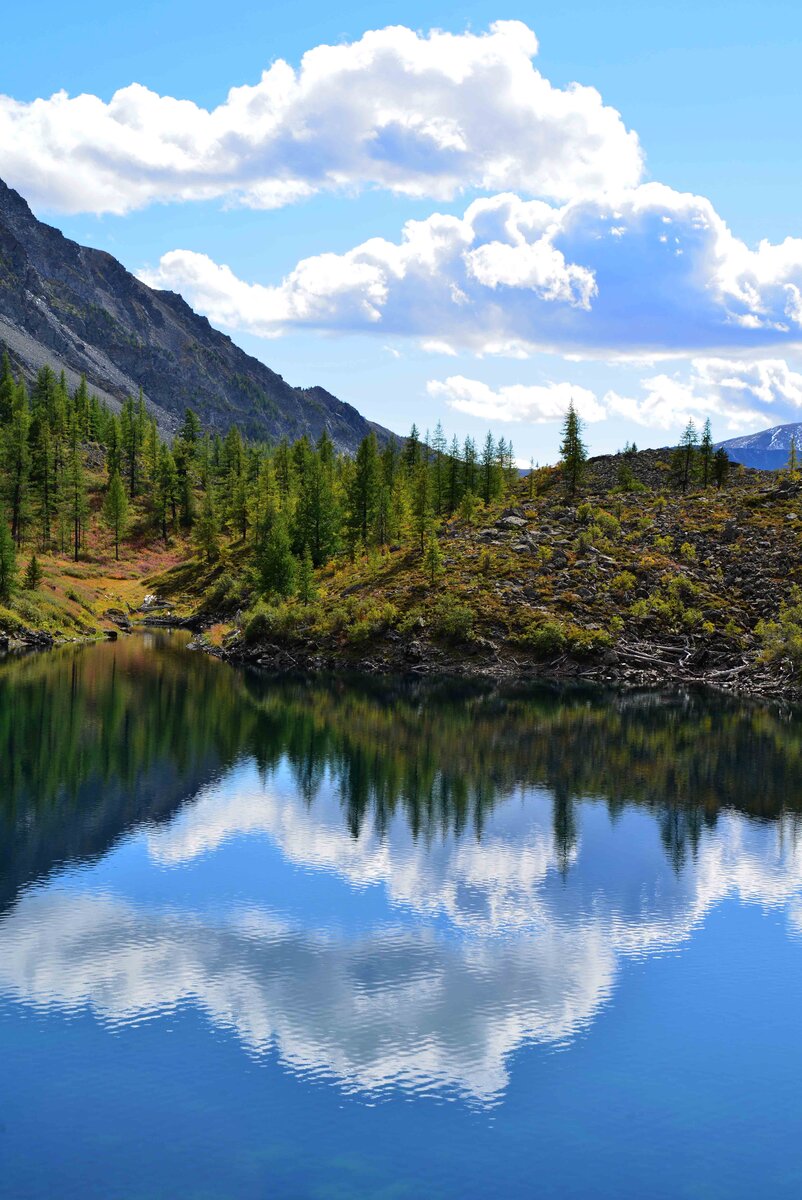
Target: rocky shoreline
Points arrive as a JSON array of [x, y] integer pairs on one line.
[[645, 665]]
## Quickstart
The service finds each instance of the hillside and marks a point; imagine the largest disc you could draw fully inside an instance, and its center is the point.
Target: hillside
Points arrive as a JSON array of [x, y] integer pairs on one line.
[[640, 587], [78, 309], [767, 450]]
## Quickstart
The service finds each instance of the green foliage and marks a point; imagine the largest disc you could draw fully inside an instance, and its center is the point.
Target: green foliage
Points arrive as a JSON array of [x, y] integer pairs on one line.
[[623, 583], [549, 639], [115, 510], [33, 575], [782, 639], [453, 620], [8, 560], [573, 452], [276, 563], [673, 605], [626, 480], [432, 561]]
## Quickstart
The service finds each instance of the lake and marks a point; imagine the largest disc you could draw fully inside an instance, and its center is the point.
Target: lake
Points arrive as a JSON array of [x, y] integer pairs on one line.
[[335, 939]]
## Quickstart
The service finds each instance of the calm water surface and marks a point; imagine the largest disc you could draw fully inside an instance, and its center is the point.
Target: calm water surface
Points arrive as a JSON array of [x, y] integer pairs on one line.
[[330, 940]]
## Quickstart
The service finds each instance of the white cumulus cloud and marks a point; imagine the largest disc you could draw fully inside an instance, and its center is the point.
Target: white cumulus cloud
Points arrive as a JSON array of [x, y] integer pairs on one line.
[[423, 115], [534, 403], [656, 274], [731, 393]]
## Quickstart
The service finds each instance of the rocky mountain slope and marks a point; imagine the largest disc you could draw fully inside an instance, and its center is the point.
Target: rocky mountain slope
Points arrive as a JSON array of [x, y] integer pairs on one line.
[[640, 588], [75, 308], [767, 450]]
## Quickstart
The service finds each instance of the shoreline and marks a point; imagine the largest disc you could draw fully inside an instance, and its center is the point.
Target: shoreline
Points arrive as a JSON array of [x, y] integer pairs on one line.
[[649, 665], [614, 669]]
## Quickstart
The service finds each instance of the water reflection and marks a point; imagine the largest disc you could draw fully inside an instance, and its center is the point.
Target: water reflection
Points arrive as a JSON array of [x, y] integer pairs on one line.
[[388, 888]]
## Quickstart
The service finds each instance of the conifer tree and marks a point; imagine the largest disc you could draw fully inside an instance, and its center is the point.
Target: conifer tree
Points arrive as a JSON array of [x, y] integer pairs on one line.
[[7, 389], [306, 578], [277, 564], [412, 449], [33, 575], [706, 453], [573, 453], [792, 469], [8, 560], [686, 459], [362, 493], [115, 511], [207, 529], [422, 505], [488, 468], [76, 508], [432, 561], [16, 461], [721, 467]]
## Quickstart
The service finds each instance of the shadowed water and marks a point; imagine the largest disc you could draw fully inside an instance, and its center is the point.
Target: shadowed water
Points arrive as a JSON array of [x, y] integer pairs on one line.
[[331, 939]]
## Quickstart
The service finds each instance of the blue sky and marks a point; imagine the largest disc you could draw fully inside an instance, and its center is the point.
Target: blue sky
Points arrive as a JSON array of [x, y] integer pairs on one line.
[[643, 330]]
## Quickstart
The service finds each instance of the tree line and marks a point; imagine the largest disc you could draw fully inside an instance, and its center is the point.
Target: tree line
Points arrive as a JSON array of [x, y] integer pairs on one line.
[[292, 506]]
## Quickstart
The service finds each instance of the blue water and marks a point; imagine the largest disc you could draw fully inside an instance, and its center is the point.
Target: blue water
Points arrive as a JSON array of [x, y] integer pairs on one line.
[[233, 991]]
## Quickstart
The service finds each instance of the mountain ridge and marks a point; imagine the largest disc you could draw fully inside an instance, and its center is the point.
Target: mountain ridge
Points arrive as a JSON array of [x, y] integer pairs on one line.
[[766, 450], [80, 309]]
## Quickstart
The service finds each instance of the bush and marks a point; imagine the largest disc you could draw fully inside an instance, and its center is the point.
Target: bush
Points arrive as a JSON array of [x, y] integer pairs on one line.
[[782, 639], [270, 621], [453, 620], [225, 595], [623, 583], [687, 552], [609, 526], [549, 639], [545, 640], [671, 605]]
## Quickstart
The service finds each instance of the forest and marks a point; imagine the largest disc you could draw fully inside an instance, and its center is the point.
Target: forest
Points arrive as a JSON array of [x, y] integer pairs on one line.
[[80, 481]]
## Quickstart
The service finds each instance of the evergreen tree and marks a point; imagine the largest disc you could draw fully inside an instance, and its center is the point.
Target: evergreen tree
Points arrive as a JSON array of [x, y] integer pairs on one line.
[[277, 564], [362, 494], [207, 529], [721, 467], [33, 575], [7, 389], [706, 453], [412, 449], [432, 561], [8, 560], [306, 578], [115, 511], [166, 493], [76, 508], [422, 505], [488, 468], [573, 452], [685, 459], [792, 469], [16, 462]]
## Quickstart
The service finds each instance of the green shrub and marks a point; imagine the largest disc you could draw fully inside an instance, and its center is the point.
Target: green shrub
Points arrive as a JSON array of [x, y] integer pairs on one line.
[[623, 583], [271, 621], [545, 640], [549, 639], [453, 620], [608, 524], [782, 639]]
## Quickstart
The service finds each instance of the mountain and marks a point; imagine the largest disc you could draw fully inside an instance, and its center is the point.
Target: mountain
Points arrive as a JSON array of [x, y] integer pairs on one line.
[[78, 309], [767, 450]]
